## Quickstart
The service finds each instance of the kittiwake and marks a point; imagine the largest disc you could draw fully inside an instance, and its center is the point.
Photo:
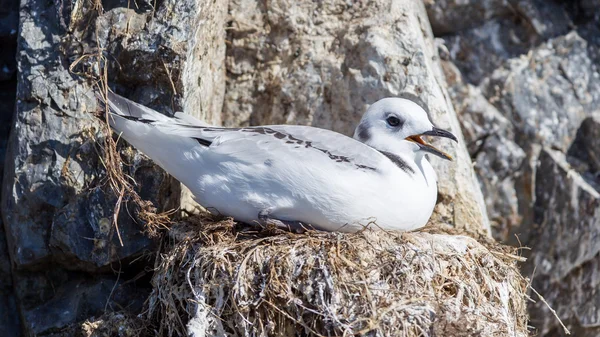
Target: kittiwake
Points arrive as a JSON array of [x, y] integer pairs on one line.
[[298, 176]]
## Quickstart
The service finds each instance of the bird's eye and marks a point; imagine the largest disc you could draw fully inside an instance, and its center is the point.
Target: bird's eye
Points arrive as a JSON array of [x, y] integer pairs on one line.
[[393, 121]]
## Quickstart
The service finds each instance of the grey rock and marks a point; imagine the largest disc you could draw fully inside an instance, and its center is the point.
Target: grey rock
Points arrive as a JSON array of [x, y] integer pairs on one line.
[[545, 19], [498, 160], [7, 105], [589, 31], [545, 95], [533, 105], [566, 249], [43, 142], [549, 92], [534, 100], [9, 320], [83, 236], [584, 153], [79, 299], [53, 160], [172, 57], [589, 6], [480, 50], [9, 25], [57, 208], [321, 64], [451, 16]]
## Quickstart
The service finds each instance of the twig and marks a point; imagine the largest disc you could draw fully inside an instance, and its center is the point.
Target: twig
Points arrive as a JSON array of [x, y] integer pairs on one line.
[[116, 214], [551, 310], [113, 288], [511, 256]]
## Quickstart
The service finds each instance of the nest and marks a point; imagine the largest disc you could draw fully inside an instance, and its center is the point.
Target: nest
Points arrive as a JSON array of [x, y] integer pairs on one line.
[[108, 325], [217, 278]]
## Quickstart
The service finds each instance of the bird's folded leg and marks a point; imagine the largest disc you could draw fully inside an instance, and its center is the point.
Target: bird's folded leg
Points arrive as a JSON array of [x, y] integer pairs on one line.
[[265, 219]]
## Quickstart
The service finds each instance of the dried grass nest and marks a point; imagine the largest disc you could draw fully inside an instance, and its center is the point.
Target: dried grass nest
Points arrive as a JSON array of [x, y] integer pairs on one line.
[[218, 278]]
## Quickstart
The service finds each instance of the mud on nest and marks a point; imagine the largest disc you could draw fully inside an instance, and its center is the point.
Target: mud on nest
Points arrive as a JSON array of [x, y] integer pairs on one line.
[[216, 278]]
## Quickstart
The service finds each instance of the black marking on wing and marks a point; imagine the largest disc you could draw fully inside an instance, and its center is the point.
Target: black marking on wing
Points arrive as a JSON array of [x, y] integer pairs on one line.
[[365, 167], [289, 139], [398, 161], [203, 142], [136, 119]]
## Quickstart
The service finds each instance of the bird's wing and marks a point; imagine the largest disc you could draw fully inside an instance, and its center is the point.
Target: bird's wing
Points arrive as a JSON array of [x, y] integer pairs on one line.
[[285, 141], [129, 109], [251, 144]]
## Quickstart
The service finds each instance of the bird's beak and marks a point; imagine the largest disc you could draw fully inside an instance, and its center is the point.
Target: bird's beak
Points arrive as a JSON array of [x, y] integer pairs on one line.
[[435, 132]]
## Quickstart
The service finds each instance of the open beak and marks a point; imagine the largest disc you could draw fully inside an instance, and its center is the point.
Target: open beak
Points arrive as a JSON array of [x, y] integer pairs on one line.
[[435, 132]]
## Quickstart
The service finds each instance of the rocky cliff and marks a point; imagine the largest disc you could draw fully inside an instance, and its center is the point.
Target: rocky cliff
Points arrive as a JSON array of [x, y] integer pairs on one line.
[[519, 78], [523, 77]]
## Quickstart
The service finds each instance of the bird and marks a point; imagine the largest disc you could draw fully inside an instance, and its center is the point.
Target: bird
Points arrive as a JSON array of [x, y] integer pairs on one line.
[[294, 176]]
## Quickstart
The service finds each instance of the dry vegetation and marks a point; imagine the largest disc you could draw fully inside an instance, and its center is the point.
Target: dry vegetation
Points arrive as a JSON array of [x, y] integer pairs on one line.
[[92, 65], [229, 280], [112, 324]]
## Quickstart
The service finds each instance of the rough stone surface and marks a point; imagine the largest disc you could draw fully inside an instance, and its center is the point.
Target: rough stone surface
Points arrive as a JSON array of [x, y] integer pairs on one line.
[[52, 159], [480, 50], [548, 93], [171, 59], [451, 16], [497, 158], [9, 320], [566, 251], [77, 299], [322, 63], [534, 100], [584, 153], [526, 88], [57, 206], [9, 24], [82, 235]]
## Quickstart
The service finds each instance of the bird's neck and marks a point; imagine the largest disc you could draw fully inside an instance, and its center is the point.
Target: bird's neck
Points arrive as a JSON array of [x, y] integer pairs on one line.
[[395, 146], [408, 152]]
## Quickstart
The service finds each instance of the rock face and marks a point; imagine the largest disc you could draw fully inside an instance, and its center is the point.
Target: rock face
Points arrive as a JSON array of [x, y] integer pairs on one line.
[[171, 58], [449, 16], [323, 63], [9, 24], [57, 207], [526, 86], [9, 322], [584, 153], [521, 77], [566, 250]]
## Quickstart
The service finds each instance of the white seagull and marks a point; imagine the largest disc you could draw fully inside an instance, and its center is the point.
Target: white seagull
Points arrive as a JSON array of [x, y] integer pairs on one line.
[[298, 176]]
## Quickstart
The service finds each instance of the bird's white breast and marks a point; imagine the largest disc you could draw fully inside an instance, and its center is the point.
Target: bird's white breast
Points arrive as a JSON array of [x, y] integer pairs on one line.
[[324, 195]]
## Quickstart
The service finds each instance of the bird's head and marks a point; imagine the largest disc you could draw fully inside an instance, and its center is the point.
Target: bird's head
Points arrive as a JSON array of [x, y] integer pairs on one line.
[[395, 120]]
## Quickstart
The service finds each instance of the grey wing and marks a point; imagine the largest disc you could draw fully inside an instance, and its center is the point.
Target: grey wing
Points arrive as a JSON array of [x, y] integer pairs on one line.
[[131, 110], [247, 144], [290, 141]]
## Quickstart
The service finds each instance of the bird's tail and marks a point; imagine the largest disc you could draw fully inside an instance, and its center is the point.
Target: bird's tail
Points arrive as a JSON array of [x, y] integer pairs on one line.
[[137, 125]]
